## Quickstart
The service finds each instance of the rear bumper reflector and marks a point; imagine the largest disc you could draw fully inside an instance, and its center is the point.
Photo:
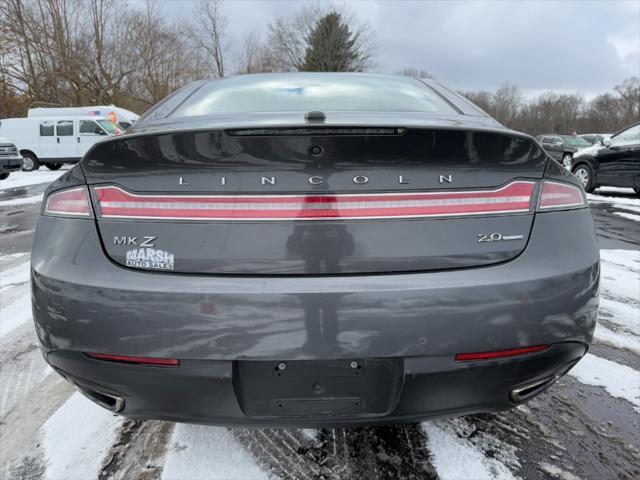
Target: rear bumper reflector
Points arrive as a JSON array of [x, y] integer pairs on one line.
[[148, 361], [516, 197], [513, 352]]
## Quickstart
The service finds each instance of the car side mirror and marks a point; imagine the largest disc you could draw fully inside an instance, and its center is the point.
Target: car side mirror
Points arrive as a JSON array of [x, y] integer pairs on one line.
[[606, 142]]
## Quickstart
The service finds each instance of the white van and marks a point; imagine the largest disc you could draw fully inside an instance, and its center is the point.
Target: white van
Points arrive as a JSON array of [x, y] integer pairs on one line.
[[52, 141], [125, 118]]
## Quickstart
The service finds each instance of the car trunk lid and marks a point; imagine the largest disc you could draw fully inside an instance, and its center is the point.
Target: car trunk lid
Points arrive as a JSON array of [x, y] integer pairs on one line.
[[291, 200]]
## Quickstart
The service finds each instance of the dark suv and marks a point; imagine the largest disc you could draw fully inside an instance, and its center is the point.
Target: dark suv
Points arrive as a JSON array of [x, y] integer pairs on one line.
[[615, 162], [562, 147]]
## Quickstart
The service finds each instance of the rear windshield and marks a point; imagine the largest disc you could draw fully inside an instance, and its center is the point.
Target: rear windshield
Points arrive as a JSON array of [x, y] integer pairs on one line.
[[309, 92]]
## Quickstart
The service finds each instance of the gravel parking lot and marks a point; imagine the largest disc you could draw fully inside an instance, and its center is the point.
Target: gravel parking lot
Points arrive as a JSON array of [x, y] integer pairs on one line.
[[586, 426]]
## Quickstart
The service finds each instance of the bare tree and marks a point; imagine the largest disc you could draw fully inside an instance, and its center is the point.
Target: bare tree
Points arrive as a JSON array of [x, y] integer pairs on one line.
[[414, 73], [162, 50], [604, 114], [210, 35], [482, 99], [256, 56], [629, 91], [506, 103]]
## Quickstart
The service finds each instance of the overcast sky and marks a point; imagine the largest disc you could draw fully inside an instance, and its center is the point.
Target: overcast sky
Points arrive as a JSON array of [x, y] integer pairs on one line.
[[586, 46]]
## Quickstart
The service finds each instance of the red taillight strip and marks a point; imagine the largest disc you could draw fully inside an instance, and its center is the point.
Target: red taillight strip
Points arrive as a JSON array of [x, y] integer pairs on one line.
[[558, 195], [149, 361], [468, 357], [114, 202]]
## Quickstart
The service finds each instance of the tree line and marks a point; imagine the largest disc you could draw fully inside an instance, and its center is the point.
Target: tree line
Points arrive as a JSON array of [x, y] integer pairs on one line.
[[95, 52], [562, 113]]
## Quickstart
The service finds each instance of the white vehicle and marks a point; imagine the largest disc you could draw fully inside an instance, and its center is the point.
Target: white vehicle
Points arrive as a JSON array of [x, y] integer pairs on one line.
[[124, 118], [52, 141]]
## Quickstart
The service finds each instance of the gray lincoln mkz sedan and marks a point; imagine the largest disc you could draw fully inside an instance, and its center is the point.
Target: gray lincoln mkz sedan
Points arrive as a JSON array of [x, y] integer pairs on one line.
[[314, 249]]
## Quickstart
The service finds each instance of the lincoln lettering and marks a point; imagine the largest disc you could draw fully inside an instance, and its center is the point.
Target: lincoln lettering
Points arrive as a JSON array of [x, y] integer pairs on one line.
[[271, 180]]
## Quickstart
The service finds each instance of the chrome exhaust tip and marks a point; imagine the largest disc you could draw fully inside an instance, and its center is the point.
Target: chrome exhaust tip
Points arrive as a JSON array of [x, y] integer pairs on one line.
[[528, 390], [109, 401]]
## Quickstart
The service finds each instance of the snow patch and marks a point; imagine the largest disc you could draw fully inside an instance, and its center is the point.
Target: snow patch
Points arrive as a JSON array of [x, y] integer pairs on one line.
[[14, 276], [456, 457], [617, 379], [621, 276], [619, 313], [630, 208], [628, 216], [616, 339], [15, 298], [557, 472], [620, 200], [24, 179], [77, 438], [309, 433], [622, 314], [22, 201], [208, 453], [15, 314]]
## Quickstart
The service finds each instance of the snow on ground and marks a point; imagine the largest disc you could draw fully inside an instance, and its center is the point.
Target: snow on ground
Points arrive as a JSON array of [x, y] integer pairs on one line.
[[77, 437], [15, 314], [13, 276], [21, 201], [622, 202], [623, 190], [556, 472], [617, 379], [23, 179], [623, 315], [208, 453], [619, 314], [617, 339], [456, 458], [628, 216], [621, 275], [15, 299]]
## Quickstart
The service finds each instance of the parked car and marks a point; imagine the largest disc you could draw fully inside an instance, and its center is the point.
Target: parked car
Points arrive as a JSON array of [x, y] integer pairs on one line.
[[124, 118], [305, 249], [53, 141], [562, 147], [615, 163], [10, 159], [593, 138]]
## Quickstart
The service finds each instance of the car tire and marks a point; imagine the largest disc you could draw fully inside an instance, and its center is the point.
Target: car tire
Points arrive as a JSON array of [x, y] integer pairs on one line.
[[566, 160], [54, 166], [30, 162], [4, 176], [585, 174]]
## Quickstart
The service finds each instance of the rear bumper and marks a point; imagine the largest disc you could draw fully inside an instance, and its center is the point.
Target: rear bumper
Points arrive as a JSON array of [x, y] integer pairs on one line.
[[82, 302], [210, 391]]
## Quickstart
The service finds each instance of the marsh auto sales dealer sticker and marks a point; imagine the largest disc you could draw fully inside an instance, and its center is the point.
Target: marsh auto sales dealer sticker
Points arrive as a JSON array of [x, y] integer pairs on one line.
[[150, 258]]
